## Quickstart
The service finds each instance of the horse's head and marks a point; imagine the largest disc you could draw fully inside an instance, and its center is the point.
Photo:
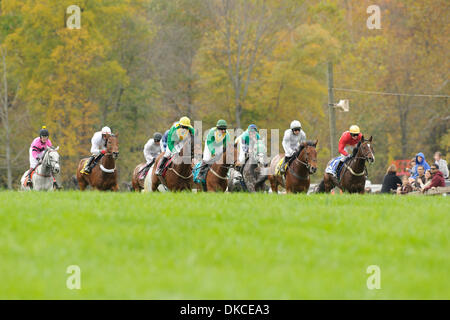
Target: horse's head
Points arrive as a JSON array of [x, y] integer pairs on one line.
[[259, 153], [51, 159], [365, 150], [309, 155], [112, 145]]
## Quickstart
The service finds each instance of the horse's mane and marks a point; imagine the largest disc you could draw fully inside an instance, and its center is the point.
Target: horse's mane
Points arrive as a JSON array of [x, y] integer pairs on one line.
[[308, 143]]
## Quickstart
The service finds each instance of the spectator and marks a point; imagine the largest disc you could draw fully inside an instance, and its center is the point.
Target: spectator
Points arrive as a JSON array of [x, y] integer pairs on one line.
[[427, 180], [420, 160], [420, 179], [441, 163], [412, 167], [405, 187], [390, 181], [437, 179]]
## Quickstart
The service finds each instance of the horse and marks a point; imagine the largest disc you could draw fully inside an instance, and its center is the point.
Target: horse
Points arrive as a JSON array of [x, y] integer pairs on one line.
[[217, 175], [178, 176], [297, 173], [104, 175], [254, 174], [353, 174], [136, 182], [42, 178]]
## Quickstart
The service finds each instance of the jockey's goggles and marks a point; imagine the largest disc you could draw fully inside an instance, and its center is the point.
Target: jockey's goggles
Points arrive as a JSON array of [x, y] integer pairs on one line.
[[296, 129], [354, 134], [184, 127]]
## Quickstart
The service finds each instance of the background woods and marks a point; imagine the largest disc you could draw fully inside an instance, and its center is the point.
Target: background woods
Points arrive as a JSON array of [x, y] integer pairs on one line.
[[137, 66]]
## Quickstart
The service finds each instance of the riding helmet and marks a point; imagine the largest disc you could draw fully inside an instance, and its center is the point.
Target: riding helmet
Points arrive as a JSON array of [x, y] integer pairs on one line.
[[157, 136], [43, 132], [221, 124]]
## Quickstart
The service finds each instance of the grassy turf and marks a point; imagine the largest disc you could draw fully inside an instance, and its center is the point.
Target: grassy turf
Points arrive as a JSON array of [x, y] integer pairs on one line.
[[223, 246]]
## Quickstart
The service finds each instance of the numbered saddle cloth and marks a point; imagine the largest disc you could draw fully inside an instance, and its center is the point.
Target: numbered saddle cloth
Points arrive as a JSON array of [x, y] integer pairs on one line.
[[195, 173], [332, 167]]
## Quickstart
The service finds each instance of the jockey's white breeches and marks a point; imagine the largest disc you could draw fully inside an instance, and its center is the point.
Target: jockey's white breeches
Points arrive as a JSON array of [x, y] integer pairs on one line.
[[149, 159], [176, 149], [289, 153], [33, 161], [349, 149], [208, 157], [242, 151]]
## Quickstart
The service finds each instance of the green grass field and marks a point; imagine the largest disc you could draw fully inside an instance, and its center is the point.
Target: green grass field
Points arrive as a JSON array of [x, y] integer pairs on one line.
[[223, 246]]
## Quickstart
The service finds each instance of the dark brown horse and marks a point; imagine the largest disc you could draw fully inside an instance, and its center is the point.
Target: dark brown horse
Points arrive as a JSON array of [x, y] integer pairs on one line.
[[217, 175], [104, 175], [352, 177], [178, 176], [303, 164]]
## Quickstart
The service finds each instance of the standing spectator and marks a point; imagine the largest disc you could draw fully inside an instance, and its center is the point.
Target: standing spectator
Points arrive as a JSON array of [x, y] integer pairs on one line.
[[420, 160], [437, 178], [441, 163], [390, 181]]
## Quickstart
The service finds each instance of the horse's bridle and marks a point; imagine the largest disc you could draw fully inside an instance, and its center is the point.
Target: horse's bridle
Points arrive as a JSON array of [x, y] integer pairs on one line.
[[365, 158]]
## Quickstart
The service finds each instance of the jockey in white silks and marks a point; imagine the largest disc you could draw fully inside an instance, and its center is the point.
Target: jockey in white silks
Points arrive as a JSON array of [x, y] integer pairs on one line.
[[152, 149], [98, 149], [292, 140], [176, 138], [37, 148]]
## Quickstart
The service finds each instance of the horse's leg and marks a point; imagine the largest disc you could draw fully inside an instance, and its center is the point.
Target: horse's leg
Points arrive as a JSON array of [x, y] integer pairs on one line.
[[273, 184], [155, 182]]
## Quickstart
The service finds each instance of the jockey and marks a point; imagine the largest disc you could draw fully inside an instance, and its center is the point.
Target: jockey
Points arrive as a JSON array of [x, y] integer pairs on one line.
[[249, 136], [98, 149], [151, 150], [164, 140], [348, 141], [292, 140], [175, 140], [37, 148], [216, 140]]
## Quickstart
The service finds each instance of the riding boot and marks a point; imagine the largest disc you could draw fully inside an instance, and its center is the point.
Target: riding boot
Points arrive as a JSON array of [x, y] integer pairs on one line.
[[160, 168], [283, 165], [29, 183], [88, 166], [203, 169]]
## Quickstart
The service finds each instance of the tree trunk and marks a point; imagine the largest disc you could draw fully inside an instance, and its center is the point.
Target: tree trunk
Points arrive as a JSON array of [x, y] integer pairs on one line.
[[5, 120]]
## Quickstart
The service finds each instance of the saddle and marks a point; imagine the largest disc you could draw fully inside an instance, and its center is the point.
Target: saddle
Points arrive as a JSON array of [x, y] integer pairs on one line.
[[335, 165], [278, 167], [195, 173]]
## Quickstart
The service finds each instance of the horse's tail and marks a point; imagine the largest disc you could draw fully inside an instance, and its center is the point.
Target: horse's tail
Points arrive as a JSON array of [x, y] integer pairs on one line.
[[320, 187], [74, 180]]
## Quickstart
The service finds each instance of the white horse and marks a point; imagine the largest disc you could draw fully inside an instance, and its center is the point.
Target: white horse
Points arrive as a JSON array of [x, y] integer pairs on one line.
[[42, 178]]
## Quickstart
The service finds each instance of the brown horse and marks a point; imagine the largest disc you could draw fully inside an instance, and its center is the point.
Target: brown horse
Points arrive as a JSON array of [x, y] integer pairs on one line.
[[303, 164], [217, 175], [104, 175], [353, 173], [136, 182], [179, 173]]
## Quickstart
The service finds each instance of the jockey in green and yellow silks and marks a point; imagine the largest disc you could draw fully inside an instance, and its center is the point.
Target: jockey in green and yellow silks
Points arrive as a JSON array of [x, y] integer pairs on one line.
[[175, 140], [216, 142]]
